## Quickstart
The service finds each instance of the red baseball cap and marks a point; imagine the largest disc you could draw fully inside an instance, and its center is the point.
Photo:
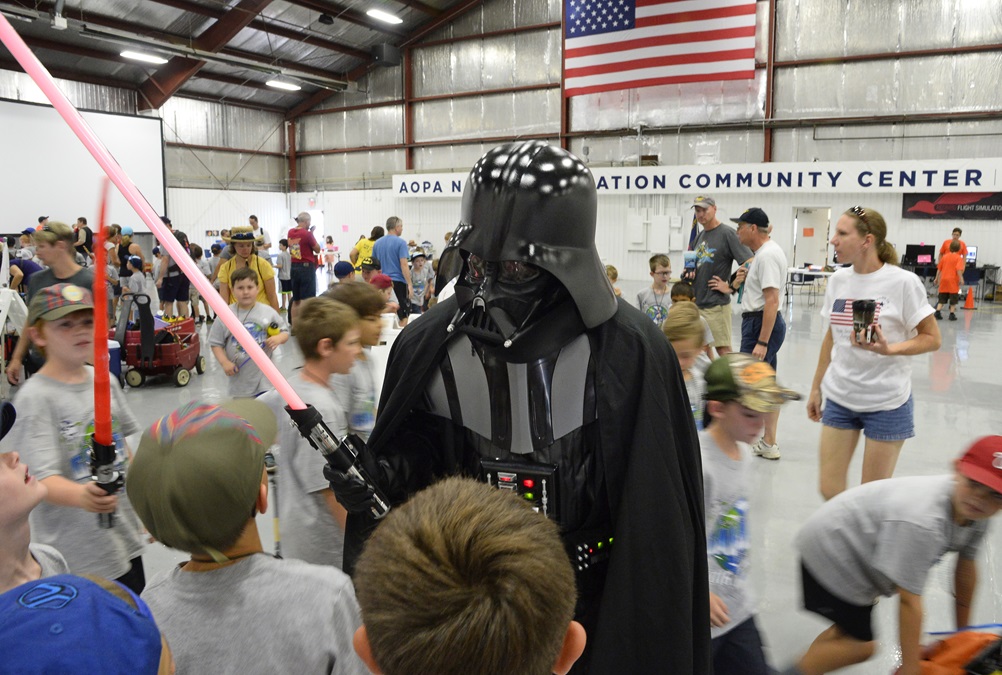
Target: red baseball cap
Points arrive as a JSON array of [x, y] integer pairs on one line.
[[982, 462], [381, 281]]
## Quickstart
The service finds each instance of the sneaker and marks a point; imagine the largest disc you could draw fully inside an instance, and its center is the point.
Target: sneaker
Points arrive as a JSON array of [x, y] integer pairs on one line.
[[953, 317], [939, 315], [766, 451]]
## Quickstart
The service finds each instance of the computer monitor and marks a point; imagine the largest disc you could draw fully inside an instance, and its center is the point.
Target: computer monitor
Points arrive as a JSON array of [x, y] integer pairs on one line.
[[972, 255], [919, 254]]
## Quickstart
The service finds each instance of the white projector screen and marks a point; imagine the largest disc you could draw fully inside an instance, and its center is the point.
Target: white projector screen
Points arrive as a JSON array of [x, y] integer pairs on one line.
[[46, 171]]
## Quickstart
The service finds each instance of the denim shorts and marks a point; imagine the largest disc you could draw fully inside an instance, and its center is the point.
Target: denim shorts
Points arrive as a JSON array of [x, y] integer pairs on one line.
[[883, 425]]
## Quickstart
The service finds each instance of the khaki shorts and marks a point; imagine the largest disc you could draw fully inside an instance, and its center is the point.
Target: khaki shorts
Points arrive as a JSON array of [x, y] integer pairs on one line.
[[719, 319]]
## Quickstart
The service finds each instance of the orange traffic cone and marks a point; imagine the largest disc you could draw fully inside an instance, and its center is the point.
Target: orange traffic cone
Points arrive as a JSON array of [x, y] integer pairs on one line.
[[969, 302]]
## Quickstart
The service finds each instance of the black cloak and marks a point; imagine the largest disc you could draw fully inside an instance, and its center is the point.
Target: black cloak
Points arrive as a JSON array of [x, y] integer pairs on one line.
[[653, 614]]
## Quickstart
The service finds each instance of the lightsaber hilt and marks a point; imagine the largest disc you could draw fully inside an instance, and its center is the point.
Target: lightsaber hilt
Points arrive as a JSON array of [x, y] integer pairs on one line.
[[109, 479], [340, 454]]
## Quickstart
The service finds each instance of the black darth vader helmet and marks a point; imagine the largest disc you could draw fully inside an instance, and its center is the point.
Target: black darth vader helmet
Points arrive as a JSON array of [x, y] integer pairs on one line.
[[524, 250]]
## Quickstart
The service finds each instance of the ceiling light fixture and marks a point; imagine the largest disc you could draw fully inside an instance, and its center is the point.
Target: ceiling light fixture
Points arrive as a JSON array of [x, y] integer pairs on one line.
[[386, 17], [287, 86], [146, 58], [326, 19]]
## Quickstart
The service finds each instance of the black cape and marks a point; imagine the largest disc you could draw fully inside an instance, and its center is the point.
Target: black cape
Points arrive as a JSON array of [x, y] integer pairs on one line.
[[653, 615]]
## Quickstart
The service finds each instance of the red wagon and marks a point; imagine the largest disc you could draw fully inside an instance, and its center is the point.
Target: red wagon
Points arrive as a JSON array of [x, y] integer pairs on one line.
[[173, 348]]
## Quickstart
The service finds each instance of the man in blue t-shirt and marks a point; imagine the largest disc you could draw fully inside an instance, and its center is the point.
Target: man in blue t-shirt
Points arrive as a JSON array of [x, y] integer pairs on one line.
[[391, 252]]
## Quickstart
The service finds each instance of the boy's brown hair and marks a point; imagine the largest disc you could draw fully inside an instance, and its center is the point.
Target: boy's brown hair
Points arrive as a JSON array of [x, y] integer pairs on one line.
[[954, 246], [362, 297], [465, 578], [612, 273], [659, 259], [244, 273], [321, 318], [683, 289], [682, 323]]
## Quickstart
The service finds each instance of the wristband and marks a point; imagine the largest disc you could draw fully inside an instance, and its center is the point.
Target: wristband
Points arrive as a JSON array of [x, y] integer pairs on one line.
[[761, 343]]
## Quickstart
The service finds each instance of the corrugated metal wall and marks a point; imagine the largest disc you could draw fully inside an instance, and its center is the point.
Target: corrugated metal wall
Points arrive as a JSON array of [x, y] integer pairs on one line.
[[201, 123], [806, 29], [17, 86]]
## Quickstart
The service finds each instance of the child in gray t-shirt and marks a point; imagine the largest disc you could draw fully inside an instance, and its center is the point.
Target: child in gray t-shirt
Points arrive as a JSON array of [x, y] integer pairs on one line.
[[311, 520], [740, 392], [54, 433], [882, 538], [655, 300], [265, 325]]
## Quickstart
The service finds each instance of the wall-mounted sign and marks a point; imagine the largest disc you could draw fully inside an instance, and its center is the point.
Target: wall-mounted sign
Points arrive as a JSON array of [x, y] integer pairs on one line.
[[949, 175], [953, 206]]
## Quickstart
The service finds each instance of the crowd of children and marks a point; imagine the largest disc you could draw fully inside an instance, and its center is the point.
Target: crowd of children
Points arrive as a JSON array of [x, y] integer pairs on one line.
[[462, 578]]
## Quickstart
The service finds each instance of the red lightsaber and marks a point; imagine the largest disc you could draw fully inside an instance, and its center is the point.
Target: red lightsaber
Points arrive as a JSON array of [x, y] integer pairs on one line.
[[102, 451], [102, 384]]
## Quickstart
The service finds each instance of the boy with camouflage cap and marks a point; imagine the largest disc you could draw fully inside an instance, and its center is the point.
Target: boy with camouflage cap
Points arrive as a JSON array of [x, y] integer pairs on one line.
[[740, 393], [197, 483]]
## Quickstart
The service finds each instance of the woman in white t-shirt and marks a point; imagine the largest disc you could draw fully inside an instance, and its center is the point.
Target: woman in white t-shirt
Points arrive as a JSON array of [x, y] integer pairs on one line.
[[866, 385]]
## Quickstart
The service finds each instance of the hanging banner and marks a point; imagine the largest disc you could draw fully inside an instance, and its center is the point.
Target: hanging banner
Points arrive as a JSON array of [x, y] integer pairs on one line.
[[948, 175], [953, 206]]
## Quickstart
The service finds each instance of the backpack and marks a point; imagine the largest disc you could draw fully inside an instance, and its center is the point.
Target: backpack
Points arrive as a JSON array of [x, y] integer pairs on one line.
[[182, 239]]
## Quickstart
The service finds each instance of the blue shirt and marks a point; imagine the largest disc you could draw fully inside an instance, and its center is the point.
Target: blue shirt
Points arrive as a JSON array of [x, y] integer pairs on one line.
[[28, 267], [388, 251]]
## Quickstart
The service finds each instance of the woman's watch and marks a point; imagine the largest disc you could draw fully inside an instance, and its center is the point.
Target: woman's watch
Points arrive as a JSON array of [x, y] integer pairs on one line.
[[761, 343]]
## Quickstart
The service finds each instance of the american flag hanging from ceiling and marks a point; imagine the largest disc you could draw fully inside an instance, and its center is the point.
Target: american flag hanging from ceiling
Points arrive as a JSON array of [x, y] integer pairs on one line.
[[622, 44]]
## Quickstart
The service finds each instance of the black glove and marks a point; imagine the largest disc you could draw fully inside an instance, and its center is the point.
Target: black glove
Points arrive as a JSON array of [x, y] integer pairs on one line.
[[354, 495]]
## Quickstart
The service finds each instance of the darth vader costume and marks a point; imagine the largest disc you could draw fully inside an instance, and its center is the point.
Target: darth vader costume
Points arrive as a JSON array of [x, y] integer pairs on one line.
[[535, 378]]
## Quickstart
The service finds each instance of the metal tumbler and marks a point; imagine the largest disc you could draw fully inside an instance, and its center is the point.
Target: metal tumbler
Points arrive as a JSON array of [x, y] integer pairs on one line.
[[862, 319]]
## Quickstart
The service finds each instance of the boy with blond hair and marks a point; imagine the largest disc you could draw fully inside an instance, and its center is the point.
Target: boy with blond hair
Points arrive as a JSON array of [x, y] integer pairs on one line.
[[655, 301], [684, 330], [465, 578], [54, 436], [682, 291], [311, 520], [357, 390], [613, 274]]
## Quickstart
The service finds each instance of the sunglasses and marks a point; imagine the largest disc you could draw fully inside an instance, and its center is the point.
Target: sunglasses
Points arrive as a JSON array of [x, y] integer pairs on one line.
[[860, 213]]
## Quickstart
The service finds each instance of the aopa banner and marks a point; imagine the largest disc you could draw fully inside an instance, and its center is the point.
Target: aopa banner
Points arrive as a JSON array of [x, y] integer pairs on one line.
[[947, 175]]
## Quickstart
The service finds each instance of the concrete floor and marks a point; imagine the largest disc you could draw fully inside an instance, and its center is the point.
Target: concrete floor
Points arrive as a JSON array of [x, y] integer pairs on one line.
[[957, 397]]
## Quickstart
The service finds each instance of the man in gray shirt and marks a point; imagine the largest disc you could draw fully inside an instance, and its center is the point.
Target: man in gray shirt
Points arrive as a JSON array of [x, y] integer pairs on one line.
[[197, 483], [882, 538], [717, 248]]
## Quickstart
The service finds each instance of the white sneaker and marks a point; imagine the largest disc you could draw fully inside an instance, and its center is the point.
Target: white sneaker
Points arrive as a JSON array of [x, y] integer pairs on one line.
[[766, 451]]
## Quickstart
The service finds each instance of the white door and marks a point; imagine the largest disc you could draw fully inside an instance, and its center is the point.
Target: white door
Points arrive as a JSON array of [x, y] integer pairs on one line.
[[810, 235]]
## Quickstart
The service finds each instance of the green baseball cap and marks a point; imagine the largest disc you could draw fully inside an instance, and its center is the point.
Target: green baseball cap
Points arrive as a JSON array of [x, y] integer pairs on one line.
[[197, 472]]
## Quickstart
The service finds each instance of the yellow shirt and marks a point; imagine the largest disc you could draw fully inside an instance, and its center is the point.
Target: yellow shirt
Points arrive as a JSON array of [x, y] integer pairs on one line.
[[364, 247], [265, 273]]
